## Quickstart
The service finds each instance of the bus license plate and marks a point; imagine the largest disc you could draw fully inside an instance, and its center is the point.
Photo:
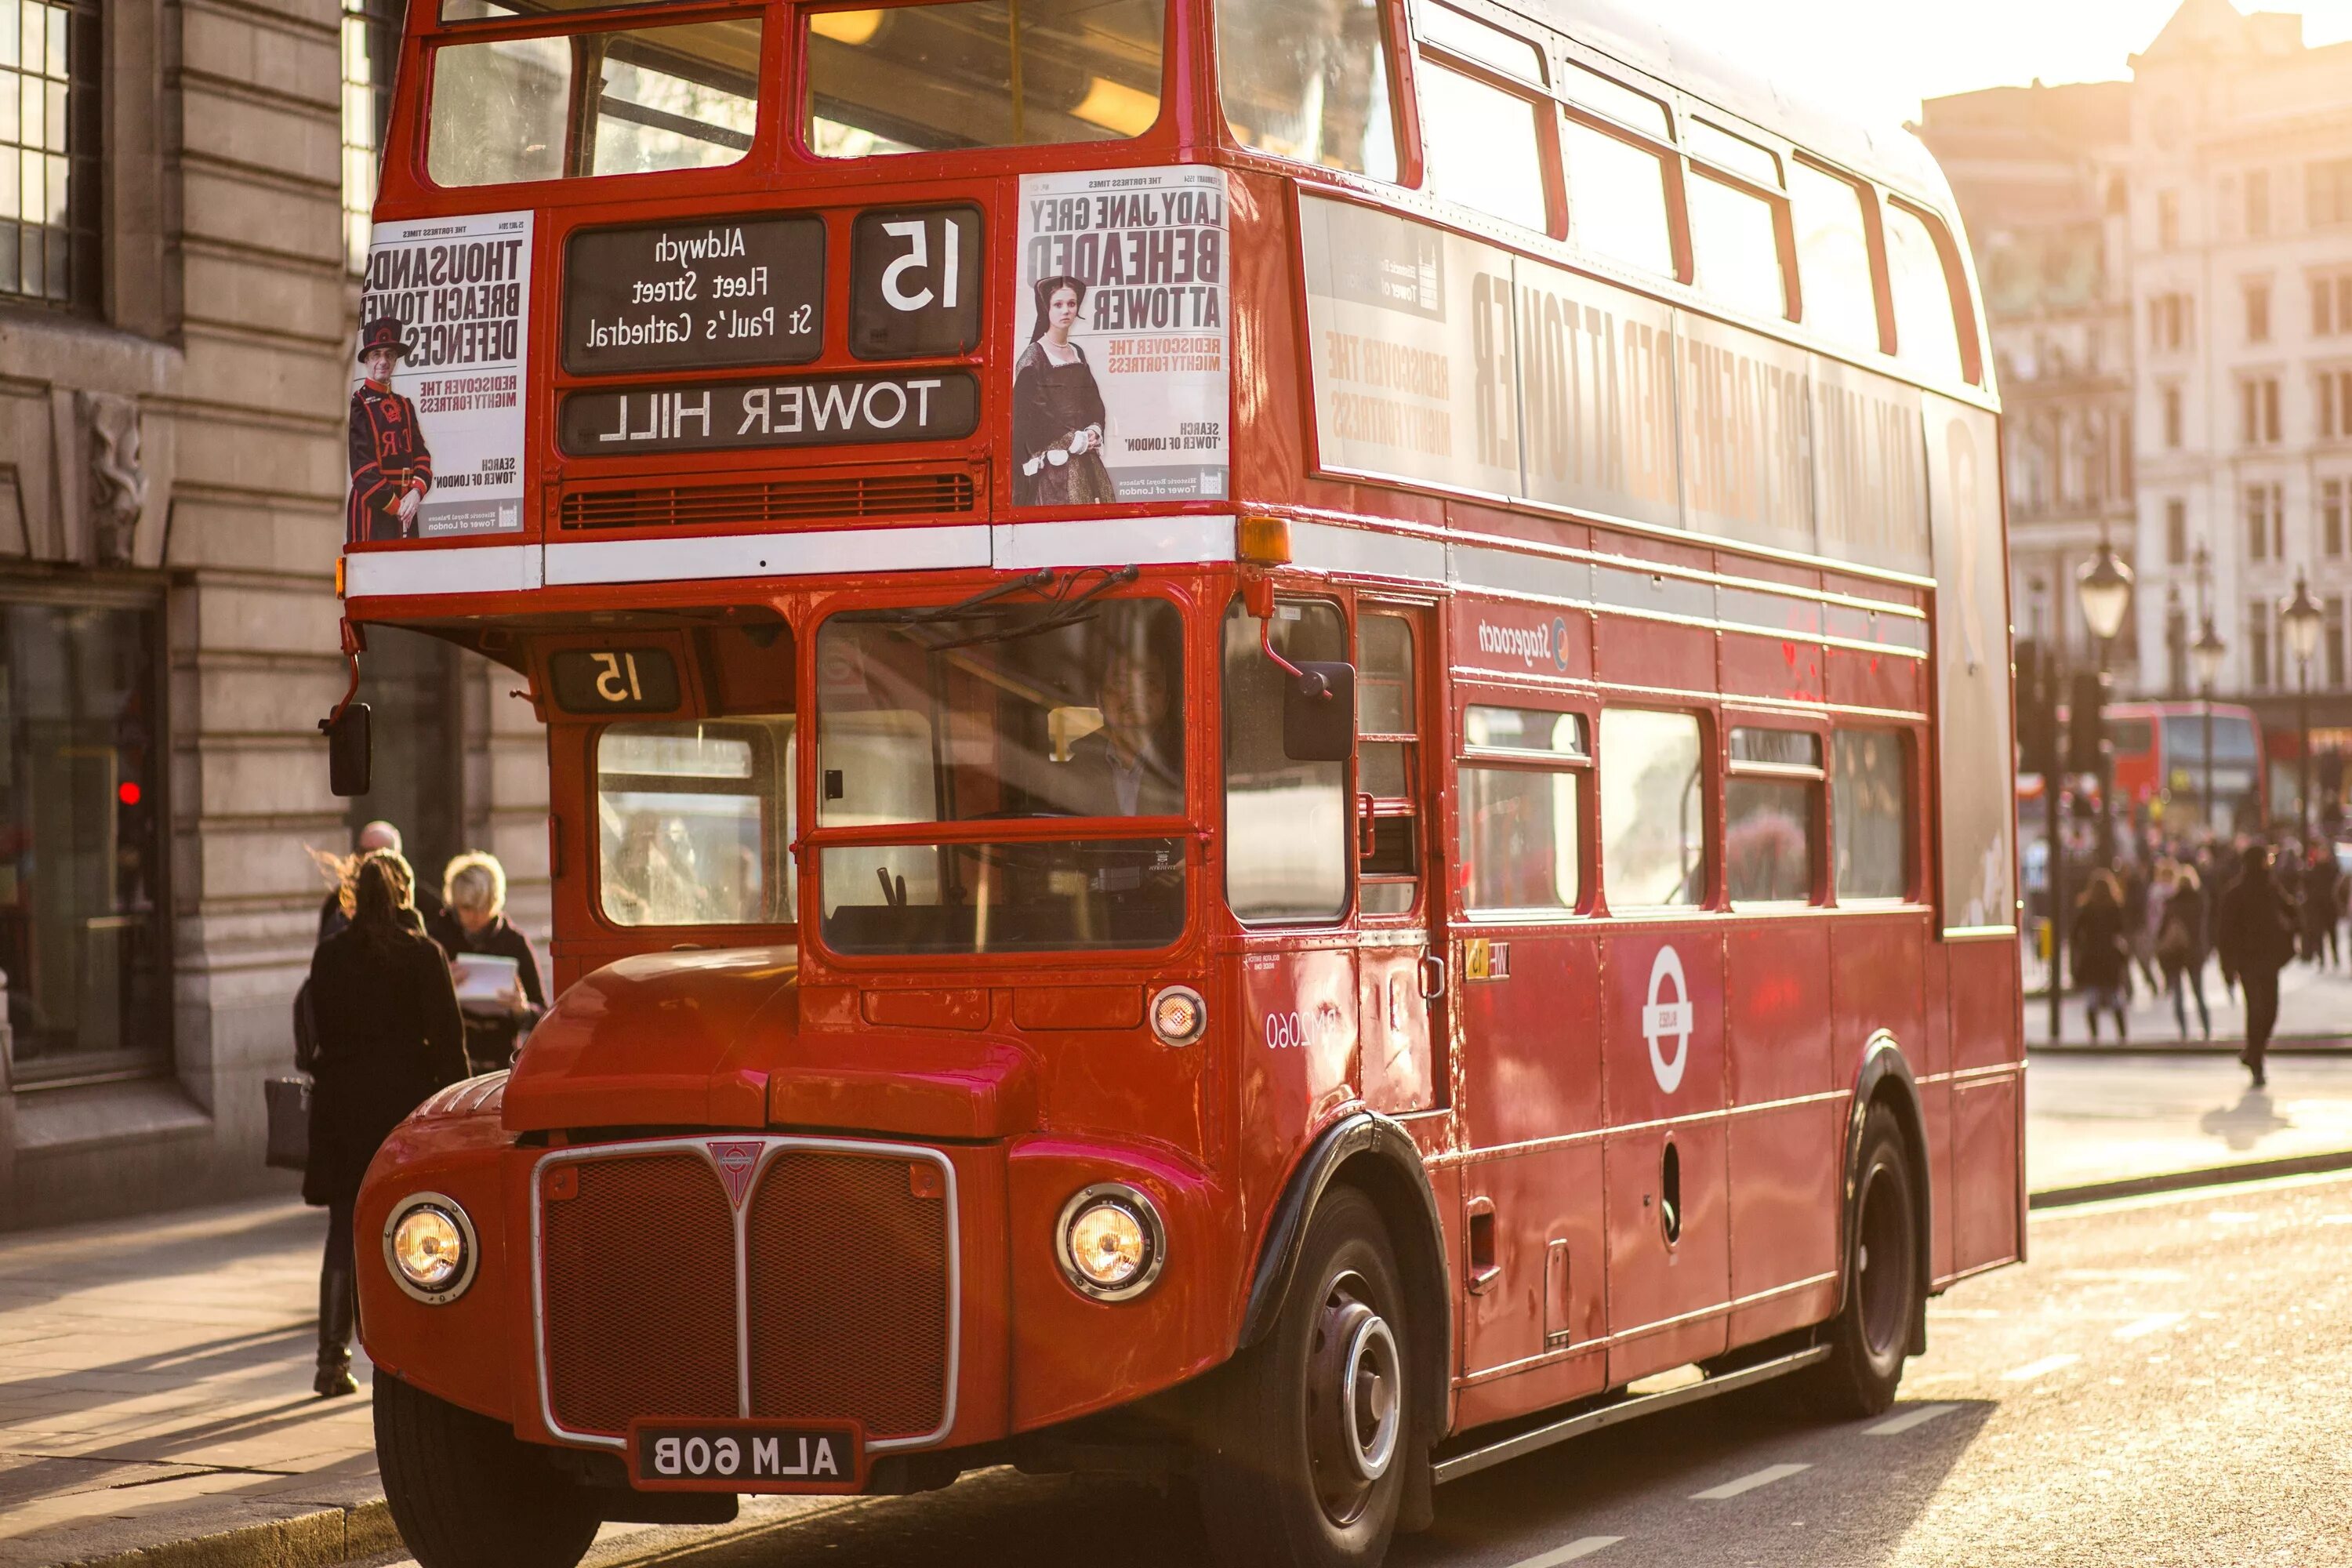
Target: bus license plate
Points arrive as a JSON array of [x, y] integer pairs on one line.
[[744, 1456]]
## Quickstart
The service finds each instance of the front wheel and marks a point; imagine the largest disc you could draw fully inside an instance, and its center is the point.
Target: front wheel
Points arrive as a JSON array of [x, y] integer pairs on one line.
[[1869, 1339], [467, 1493], [1311, 1429]]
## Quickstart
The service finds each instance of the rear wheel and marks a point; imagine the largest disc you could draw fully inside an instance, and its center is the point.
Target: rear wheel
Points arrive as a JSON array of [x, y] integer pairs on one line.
[[1312, 1427], [467, 1493], [1870, 1339]]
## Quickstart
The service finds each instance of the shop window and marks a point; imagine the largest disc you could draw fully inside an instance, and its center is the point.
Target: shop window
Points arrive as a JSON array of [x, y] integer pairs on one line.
[[1309, 79], [1388, 766], [1772, 815], [1871, 785], [84, 937], [1520, 831], [1287, 825], [1653, 810]]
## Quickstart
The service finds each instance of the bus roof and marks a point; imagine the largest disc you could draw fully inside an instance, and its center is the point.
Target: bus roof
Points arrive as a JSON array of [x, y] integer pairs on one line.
[[1630, 34]]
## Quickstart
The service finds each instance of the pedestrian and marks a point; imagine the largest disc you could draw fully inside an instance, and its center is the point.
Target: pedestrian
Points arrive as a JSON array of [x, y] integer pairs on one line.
[[475, 887], [2321, 881], [2180, 948], [335, 914], [2101, 954], [2139, 935], [2255, 928], [389, 1034]]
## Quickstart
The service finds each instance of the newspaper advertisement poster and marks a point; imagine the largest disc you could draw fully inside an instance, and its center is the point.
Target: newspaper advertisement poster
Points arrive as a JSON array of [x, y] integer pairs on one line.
[[1120, 383], [436, 412]]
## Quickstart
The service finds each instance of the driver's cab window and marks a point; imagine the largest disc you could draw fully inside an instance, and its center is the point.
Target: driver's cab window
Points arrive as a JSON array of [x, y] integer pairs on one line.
[[692, 821], [1287, 826]]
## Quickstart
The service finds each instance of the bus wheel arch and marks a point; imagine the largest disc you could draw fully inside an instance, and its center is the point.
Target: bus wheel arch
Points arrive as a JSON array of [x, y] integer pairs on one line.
[[1371, 1155], [1885, 1078]]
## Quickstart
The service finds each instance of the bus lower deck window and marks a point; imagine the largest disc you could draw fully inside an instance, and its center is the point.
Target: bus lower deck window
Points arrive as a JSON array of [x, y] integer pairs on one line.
[[621, 101], [982, 73], [1653, 809], [1870, 781]]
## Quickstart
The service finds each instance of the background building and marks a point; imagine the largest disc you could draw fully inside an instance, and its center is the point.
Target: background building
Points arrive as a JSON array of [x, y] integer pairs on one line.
[[183, 194]]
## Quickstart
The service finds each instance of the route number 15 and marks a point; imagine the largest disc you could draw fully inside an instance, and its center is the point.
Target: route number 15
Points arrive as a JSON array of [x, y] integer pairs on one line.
[[914, 284]]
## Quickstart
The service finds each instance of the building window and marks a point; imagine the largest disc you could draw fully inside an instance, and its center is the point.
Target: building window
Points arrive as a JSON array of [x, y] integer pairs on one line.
[[2258, 312], [2258, 643], [83, 934], [2176, 532], [2258, 203], [2331, 518], [2172, 418], [2265, 522], [371, 46], [50, 121], [2167, 220], [2258, 411], [2170, 321], [2327, 192], [2331, 403]]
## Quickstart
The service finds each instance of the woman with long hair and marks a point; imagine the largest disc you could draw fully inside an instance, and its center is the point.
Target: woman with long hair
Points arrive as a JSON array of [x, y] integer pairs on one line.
[[1057, 409], [2180, 948], [389, 1034], [2102, 955]]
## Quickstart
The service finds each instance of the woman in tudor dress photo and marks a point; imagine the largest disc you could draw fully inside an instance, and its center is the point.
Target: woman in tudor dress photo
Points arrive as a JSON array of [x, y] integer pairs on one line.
[[1057, 409]]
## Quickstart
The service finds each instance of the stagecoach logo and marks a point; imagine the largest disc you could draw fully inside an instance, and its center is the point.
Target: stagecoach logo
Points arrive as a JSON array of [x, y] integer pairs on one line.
[[1662, 1018], [737, 1159], [1528, 644]]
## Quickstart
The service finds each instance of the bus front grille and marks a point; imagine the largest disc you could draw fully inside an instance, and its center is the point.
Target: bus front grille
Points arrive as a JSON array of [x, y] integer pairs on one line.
[[842, 1306]]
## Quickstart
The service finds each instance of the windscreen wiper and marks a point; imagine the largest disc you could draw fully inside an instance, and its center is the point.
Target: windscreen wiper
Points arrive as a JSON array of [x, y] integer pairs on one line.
[[1072, 611], [921, 615]]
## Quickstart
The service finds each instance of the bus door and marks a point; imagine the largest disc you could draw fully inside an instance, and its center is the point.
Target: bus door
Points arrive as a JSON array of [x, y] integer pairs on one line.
[[1400, 959]]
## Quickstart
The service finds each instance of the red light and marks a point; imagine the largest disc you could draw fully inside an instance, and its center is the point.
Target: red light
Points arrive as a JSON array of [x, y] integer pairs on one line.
[[127, 792]]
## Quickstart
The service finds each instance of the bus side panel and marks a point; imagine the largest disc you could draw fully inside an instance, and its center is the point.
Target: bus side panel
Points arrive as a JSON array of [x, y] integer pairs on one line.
[[1936, 1102], [1789, 669], [1986, 1166], [1784, 1165]]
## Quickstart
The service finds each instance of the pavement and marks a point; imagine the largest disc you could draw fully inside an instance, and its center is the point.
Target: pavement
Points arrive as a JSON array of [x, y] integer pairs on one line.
[[154, 1374], [2315, 1010]]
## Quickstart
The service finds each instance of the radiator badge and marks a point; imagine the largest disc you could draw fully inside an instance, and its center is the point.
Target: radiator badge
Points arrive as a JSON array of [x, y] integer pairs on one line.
[[736, 1159]]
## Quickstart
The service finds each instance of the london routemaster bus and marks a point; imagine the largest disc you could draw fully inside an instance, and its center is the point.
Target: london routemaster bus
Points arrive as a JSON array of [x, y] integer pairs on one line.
[[1279, 741]]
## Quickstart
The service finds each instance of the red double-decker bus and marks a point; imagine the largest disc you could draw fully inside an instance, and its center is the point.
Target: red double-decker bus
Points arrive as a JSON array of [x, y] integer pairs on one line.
[[1280, 744]]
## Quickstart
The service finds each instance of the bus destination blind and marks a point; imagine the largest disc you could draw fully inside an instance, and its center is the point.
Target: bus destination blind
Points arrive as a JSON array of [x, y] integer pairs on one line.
[[731, 292], [803, 411]]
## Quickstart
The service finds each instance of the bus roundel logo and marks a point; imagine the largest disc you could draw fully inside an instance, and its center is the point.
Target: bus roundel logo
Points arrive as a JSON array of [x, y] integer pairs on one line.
[[1662, 1017]]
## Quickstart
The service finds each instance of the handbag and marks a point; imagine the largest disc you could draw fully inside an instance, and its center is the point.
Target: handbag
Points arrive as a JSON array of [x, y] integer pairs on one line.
[[288, 1101]]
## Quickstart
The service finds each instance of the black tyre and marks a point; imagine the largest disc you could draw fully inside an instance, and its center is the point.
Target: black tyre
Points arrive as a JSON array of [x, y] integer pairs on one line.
[[467, 1493], [1870, 1338], [1311, 1429]]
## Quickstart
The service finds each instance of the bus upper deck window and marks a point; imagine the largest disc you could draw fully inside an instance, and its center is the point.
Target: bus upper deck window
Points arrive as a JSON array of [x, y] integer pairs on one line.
[[1309, 79], [982, 73], [1927, 335], [663, 97], [1834, 256]]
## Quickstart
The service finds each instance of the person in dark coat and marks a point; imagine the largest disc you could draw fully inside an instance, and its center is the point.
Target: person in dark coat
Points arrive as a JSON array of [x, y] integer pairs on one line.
[[392, 468], [389, 1034], [2180, 949], [2320, 880], [2100, 953], [475, 888], [2255, 931], [431, 913], [1057, 409]]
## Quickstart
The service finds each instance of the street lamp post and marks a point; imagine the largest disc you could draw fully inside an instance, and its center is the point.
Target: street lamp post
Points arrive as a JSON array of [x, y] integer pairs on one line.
[[2105, 590], [2205, 654], [2300, 618], [2053, 828]]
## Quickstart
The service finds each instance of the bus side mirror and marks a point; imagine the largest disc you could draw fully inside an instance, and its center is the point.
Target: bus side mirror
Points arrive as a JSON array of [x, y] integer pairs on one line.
[[1318, 712], [349, 749]]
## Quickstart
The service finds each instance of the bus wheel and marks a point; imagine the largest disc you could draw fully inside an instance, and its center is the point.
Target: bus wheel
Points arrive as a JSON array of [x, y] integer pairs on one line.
[[467, 1493], [1311, 1427], [1869, 1339]]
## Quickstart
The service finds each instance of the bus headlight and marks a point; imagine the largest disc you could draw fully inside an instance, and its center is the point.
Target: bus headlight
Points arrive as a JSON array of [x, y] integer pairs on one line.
[[430, 1248], [1179, 1016], [1110, 1242]]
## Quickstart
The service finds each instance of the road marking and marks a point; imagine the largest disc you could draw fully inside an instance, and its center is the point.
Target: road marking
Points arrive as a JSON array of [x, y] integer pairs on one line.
[[2154, 1323], [1917, 1415], [2034, 1369], [1763, 1478], [1569, 1552]]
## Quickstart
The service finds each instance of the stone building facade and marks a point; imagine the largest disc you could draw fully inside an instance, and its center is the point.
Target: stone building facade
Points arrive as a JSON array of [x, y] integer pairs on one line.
[[184, 203]]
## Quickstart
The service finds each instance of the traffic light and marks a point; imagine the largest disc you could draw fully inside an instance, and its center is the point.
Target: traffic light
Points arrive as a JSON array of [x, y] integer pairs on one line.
[[2086, 723], [2037, 710]]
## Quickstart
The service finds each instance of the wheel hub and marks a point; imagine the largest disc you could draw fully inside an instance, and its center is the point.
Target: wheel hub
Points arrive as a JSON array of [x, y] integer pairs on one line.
[[1354, 1400]]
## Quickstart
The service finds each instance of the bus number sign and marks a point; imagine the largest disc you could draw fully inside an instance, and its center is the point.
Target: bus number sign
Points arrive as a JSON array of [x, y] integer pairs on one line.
[[915, 282], [613, 681], [728, 291]]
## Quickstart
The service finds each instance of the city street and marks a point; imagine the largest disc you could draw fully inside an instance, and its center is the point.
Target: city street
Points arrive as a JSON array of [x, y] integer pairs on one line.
[[2161, 1384]]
